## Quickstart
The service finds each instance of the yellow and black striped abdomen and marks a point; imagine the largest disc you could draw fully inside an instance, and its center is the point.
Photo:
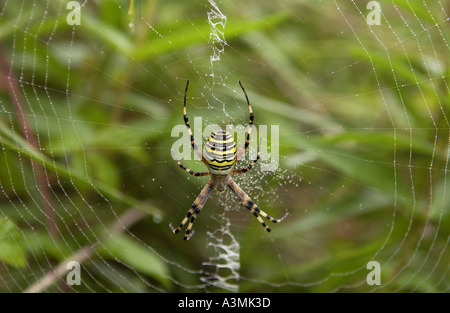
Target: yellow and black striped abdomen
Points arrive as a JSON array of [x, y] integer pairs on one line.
[[220, 153]]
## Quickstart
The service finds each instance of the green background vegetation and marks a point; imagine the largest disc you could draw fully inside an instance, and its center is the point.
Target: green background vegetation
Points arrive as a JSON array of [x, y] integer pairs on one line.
[[364, 133]]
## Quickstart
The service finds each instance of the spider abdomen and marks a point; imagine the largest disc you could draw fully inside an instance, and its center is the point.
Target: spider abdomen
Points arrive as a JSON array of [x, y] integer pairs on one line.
[[220, 153]]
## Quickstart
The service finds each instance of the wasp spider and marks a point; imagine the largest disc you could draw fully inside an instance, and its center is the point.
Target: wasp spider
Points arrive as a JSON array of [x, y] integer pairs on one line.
[[219, 156]]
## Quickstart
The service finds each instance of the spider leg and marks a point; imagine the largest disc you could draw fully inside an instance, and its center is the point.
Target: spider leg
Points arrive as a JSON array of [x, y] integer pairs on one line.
[[249, 167], [187, 169], [188, 126], [195, 210], [252, 207], [250, 126]]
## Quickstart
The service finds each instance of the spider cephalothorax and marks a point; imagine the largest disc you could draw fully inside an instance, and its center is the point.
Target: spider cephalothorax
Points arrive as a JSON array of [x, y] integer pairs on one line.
[[220, 157]]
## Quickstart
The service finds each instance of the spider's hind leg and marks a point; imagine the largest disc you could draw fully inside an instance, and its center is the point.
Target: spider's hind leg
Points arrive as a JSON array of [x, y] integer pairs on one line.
[[250, 125], [188, 126], [249, 167], [188, 169]]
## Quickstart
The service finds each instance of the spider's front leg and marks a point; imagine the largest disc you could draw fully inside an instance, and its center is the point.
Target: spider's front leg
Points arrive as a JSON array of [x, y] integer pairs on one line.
[[252, 207], [194, 210]]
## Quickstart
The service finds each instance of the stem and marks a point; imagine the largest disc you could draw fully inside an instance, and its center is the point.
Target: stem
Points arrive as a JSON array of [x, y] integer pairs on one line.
[[126, 220], [131, 15], [10, 80]]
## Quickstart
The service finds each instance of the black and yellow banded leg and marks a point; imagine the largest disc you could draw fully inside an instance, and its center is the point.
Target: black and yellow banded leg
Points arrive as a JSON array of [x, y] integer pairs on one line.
[[250, 126], [252, 207], [188, 126], [195, 209], [249, 167], [188, 169]]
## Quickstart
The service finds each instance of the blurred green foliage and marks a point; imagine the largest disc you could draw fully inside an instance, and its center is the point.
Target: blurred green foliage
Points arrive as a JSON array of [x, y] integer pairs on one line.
[[364, 142]]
